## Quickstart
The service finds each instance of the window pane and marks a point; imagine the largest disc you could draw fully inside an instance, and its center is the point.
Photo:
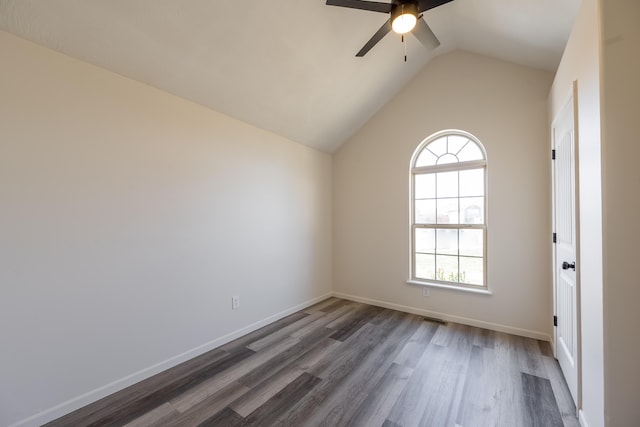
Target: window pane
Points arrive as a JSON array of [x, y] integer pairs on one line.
[[471, 271], [472, 182], [439, 146], [425, 266], [426, 186], [425, 240], [447, 184], [447, 268], [447, 211], [472, 210], [447, 158], [455, 143], [470, 152], [471, 242], [425, 211], [426, 158], [447, 242]]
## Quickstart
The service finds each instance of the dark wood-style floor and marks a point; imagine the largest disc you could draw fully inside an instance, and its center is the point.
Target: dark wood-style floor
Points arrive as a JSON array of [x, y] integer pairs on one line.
[[341, 363]]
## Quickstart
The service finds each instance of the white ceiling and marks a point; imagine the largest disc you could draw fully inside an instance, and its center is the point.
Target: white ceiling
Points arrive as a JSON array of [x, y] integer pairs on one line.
[[287, 66]]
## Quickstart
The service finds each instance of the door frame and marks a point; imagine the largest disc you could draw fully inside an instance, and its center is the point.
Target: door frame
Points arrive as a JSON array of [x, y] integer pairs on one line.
[[572, 98]]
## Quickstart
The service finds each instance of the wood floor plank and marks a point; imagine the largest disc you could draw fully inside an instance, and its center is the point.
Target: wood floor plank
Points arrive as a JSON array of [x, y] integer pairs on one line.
[[356, 347], [479, 404], [540, 403], [354, 323], [355, 310], [260, 393], [565, 403], [207, 388], [323, 321], [321, 305], [338, 303], [376, 407], [155, 417], [443, 335], [347, 357], [433, 393], [284, 332], [283, 400], [444, 406], [413, 350], [340, 407], [413, 401], [529, 356], [207, 408], [226, 418], [484, 338], [263, 332], [305, 344], [343, 389], [508, 384]]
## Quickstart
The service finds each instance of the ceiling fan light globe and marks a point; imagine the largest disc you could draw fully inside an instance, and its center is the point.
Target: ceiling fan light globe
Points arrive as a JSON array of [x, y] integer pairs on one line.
[[404, 23]]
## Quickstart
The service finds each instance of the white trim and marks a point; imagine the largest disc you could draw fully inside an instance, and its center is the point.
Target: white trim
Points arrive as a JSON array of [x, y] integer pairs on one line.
[[482, 291], [471, 164], [71, 405], [449, 318], [582, 419]]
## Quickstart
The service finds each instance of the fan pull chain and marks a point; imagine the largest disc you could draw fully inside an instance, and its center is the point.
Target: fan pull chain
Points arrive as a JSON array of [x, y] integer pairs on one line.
[[404, 45]]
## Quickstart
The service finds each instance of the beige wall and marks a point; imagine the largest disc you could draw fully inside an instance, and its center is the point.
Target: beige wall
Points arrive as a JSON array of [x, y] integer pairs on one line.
[[129, 218], [621, 204], [505, 106]]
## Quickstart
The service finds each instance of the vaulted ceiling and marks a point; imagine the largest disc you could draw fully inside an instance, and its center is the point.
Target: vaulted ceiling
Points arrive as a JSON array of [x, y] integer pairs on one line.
[[287, 66]]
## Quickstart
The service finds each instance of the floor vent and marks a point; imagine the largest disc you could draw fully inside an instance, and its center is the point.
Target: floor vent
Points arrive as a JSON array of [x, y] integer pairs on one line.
[[434, 320]]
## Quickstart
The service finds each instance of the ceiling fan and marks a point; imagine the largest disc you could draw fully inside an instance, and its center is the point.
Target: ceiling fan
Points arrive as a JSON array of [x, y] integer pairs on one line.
[[405, 16]]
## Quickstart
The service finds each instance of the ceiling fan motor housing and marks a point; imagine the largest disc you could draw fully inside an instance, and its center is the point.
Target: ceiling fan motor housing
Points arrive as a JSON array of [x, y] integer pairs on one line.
[[407, 14]]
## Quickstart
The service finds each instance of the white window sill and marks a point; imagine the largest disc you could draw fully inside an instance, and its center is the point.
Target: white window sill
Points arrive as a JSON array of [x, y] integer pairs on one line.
[[451, 287]]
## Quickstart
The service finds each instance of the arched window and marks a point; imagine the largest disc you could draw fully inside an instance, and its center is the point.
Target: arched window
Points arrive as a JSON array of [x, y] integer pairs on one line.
[[449, 211]]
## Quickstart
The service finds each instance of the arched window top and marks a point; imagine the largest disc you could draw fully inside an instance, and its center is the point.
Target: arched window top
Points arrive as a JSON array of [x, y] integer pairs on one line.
[[448, 147]]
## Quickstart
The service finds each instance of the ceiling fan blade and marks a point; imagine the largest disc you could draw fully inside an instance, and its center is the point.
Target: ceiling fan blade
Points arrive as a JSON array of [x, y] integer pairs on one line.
[[386, 27], [373, 6], [430, 4], [425, 35]]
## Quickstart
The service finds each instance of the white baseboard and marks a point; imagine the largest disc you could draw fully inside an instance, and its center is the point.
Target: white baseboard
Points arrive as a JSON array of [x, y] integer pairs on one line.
[[97, 394], [449, 318], [582, 419]]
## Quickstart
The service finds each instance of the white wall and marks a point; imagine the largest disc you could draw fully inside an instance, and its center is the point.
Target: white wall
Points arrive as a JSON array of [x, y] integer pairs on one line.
[[505, 106], [581, 62], [128, 219], [621, 204]]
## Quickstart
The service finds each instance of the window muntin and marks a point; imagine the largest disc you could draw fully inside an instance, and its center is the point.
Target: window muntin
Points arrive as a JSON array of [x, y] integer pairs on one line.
[[448, 211]]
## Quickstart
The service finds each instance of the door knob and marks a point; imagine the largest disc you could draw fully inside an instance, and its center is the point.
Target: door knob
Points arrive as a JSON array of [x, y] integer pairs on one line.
[[566, 266]]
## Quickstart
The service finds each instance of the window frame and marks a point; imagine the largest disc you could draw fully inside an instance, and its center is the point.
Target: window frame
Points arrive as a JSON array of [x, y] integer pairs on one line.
[[447, 167]]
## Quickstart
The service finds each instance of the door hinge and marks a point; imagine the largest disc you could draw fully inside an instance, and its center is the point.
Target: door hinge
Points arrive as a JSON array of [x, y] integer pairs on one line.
[[555, 320], [553, 154], [555, 237]]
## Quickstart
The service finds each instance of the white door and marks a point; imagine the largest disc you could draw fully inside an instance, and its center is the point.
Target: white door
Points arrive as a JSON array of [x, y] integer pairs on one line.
[[565, 280]]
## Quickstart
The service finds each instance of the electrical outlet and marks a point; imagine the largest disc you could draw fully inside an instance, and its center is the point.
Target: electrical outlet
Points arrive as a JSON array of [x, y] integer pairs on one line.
[[425, 292], [235, 302]]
